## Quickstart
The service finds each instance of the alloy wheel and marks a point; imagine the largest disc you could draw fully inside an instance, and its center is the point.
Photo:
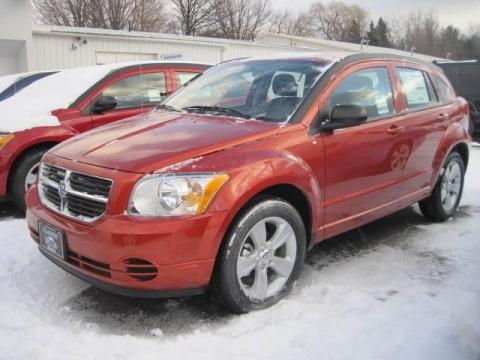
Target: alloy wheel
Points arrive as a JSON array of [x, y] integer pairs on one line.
[[267, 258], [31, 177], [451, 186]]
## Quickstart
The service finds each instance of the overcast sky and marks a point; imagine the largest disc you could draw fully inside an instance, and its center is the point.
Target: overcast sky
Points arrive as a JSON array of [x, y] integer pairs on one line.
[[460, 13]]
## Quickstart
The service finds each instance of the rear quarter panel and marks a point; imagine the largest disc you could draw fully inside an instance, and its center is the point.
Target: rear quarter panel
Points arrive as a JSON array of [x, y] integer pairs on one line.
[[456, 133]]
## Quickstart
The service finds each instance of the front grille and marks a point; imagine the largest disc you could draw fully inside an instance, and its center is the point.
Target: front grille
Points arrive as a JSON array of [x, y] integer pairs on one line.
[[80, 196], [90, 184]]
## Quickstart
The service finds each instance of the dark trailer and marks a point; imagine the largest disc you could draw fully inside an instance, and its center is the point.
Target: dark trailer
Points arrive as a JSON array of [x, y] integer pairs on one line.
[[465, 78]]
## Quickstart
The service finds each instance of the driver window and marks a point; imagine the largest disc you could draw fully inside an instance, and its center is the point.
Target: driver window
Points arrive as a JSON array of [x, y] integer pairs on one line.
[[138, 90], [370, 88]]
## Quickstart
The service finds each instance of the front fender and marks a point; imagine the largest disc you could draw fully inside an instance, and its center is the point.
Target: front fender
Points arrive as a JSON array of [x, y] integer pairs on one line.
[[26, 140], [252, 172]]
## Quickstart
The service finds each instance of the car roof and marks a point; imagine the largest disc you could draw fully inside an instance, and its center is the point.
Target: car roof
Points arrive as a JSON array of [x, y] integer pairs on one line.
[[148, 63], [339, 57]]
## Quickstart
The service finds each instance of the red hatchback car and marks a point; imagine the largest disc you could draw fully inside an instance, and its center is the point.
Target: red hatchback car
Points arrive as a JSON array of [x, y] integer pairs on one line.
[[225, 186], [71, 102]]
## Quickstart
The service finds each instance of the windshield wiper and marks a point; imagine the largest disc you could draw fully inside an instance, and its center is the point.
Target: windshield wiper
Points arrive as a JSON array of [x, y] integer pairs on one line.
[[167, 107], [218, 109]]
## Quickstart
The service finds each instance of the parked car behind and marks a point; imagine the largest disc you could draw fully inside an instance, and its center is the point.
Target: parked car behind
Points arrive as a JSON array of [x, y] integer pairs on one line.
[[225, 186], [12, 84], [73, 101], [465, 78]]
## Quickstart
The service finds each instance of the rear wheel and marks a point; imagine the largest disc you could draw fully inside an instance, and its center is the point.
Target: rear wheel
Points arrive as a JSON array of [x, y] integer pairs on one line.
[[444, 200], [261, 258], [24, 175]]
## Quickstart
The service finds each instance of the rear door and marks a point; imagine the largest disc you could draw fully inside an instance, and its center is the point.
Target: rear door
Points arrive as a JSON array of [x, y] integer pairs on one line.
[[424, 119], [135, 91], [361, 181]]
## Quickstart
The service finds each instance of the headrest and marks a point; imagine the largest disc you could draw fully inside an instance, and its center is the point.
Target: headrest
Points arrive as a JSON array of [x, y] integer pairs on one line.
[[285, 85]]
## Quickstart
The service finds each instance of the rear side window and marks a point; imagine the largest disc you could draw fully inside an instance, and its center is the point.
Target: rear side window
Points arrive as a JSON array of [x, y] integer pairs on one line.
[[445, 92], [138, 90], [370, 88], [417, 88]]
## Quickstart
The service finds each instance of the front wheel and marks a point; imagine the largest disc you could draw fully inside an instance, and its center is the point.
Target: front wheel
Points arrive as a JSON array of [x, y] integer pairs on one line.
[[444, 200], [24, 175], [261, 257]]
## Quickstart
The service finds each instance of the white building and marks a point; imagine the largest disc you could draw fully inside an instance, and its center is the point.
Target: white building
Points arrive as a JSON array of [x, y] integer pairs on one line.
[[15, 36], [56, 47], [25, 47]]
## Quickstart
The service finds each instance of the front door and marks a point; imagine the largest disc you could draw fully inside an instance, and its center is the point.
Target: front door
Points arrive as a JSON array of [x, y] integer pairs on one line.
[[363, 175]]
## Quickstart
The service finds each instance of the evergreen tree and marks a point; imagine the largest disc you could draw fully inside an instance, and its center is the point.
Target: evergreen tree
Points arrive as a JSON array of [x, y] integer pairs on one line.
[[382, 33], [372, 34], [379, 35]]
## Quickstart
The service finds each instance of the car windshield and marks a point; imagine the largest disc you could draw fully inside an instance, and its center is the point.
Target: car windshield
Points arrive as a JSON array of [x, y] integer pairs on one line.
[[268, 90]]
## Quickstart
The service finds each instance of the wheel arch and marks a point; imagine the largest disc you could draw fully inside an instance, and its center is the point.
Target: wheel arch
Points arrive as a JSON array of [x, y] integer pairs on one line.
[[288, 192], [463, 150], [21, 155]]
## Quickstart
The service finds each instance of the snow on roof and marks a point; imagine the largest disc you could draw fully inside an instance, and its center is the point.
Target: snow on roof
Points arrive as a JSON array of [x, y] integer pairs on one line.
[[8, 80], [33, 106], [297, 41]]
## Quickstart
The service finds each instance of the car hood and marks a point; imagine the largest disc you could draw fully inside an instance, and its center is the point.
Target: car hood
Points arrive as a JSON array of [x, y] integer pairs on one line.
[[148, 143]]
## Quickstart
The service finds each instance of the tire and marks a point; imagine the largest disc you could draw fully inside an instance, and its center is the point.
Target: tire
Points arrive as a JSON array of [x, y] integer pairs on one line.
[[436, 207], [17, 186], [241, 249]]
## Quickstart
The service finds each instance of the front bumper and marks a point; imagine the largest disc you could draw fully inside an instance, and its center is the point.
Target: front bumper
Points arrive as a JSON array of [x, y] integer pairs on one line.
[[182, 251]]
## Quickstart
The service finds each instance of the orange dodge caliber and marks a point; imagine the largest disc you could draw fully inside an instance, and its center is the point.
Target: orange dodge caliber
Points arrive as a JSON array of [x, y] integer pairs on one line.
[[226, 184]]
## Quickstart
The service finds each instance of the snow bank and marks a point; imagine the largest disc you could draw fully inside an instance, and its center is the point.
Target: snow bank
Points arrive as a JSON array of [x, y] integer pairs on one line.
[[33, 106]]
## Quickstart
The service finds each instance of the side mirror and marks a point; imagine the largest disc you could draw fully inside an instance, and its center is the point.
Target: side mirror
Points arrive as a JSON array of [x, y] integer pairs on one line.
[[345, 116], [104, 103]]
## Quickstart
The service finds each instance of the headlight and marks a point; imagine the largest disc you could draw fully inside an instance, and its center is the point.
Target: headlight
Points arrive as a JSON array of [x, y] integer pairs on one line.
[[5, 139], [174, 194]]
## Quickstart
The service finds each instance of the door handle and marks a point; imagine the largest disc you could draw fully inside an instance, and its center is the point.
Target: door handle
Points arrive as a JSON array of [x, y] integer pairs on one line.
[[443, 117], [394, 130]]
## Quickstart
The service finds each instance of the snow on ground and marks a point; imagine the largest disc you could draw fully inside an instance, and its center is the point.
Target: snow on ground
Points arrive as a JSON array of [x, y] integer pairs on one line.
[[399, 288]]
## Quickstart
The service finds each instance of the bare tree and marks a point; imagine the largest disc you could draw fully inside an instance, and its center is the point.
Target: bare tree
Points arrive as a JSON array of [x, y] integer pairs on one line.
[[148, 15], [290, 24], [417, 31], [193, 15], [239, 19], [141, 15], [65, 12], [335, 20]]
